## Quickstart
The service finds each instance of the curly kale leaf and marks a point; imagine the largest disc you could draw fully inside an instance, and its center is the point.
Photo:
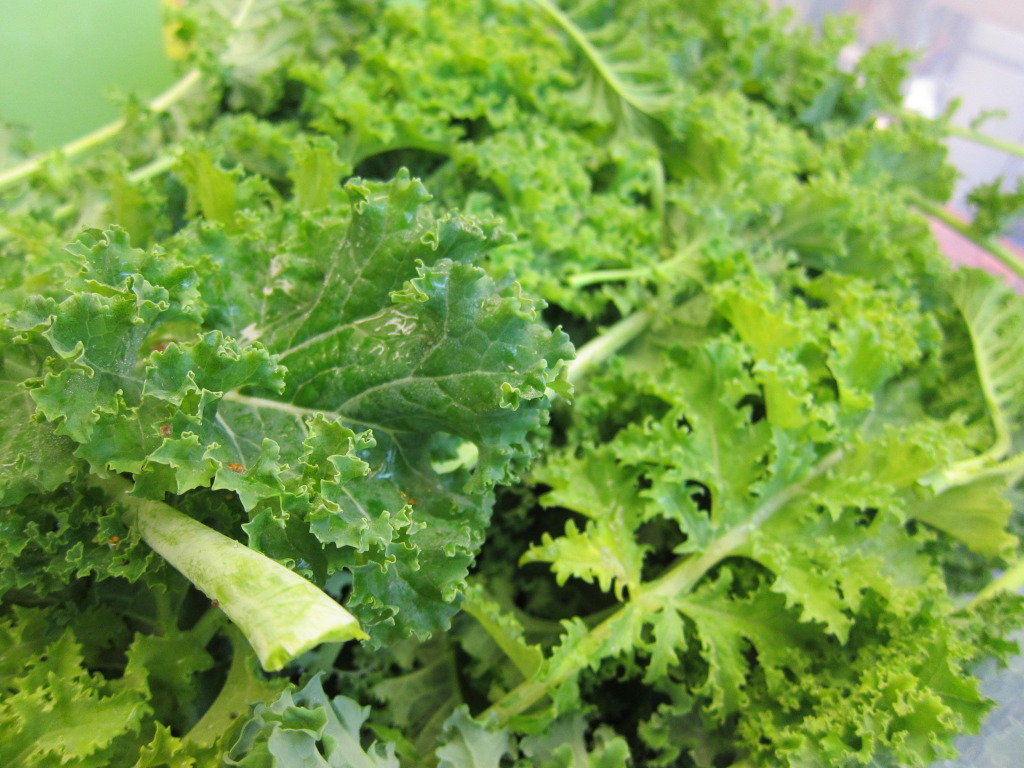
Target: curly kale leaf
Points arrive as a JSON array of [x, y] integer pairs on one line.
[[58, 710], [355, 379], [746, 514], [995, 210], [306, 727]]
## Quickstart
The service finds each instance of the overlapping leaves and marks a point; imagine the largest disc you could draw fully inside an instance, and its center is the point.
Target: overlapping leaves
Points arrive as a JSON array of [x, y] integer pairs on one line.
[[360, 386], [59, 711], [760, 491], [786, 508]]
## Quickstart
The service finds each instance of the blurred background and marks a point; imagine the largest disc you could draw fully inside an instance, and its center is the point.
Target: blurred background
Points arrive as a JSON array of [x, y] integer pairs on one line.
[[971, 52], [67, 66], [968, 53], [966, 50]]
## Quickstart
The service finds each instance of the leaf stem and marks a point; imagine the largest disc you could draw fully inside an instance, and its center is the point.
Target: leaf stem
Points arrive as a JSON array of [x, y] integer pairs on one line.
[[658, 270], [1011, 580], [599, 349], [683, 576], [161, 103], [584, 279], [986, 140], [101, 135], [152, 168], [281, 614], [243, 687], [678, 580], [1005, 256], [209, 624]]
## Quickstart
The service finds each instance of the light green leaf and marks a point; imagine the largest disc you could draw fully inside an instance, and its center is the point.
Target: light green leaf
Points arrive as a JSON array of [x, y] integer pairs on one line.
[[503, 629], [727, 626], [212, 190], [281, 614], [55, 712], [467, 743], [605, 552], [306, 728], [317, 173], [992, 313], [976, 513]]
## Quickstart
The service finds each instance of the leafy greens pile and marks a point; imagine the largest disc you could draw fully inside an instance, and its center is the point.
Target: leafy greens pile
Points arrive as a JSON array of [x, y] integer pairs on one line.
[[300, 467]]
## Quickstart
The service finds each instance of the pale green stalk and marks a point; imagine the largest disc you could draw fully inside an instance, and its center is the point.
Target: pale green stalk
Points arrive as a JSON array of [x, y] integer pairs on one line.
[[1005, 256], [584, 279], [281, 614], [985, 140], [661, 270], [1011, 580], [598, 350], [152, 168], [242, 688], [101, 135], [678, 580]]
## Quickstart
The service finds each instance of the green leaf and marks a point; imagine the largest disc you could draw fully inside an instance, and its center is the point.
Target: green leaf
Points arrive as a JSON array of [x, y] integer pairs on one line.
[[375, 317], [281, 614], [467, 743], [33, 458], [419, 695], [212, 190], [990, 310], [728, 627], [317, 174], [976, 513], [606, 552], [914, 687], [305, 727], [55, 712], [778, 340], [995, 210], [55, 539], [743, 518], [72, 701], [565, 745], [615, 87], [164, 750]]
